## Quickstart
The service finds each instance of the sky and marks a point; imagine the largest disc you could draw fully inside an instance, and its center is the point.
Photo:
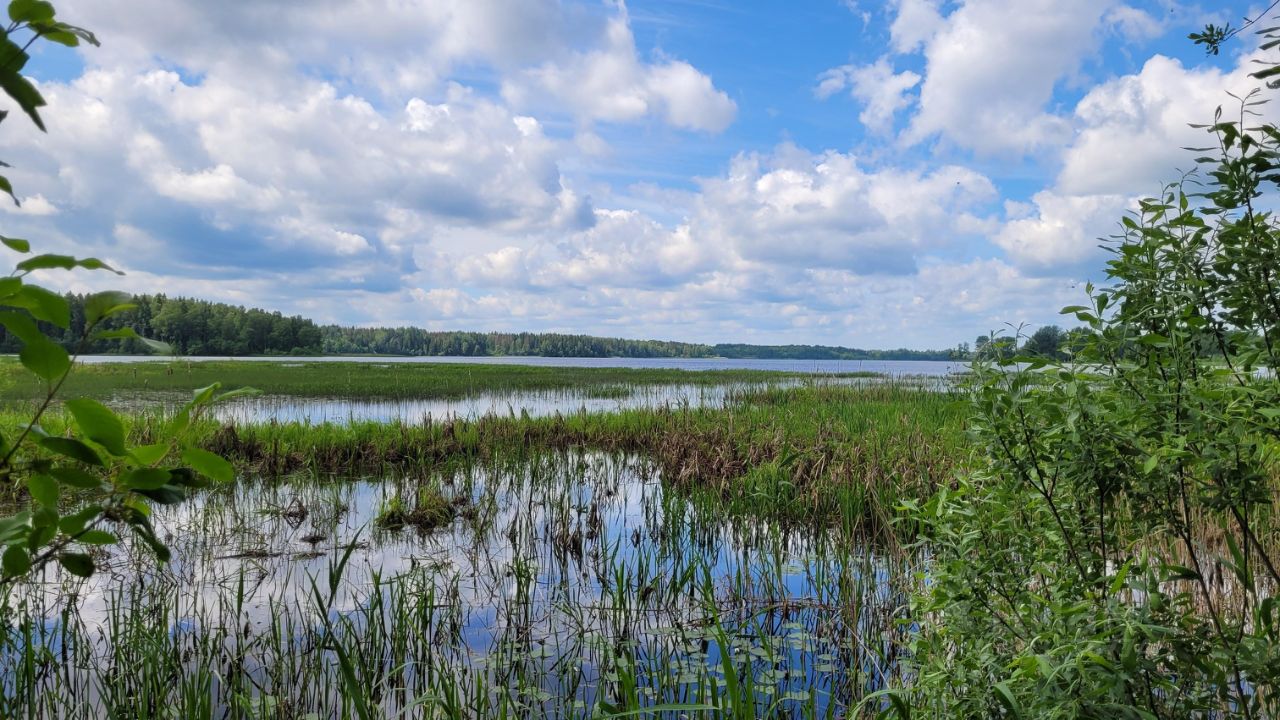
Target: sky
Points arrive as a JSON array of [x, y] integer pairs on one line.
[[905, 173]]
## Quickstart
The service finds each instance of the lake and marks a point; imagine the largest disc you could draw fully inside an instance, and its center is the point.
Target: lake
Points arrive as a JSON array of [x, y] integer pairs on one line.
[[818, 367]]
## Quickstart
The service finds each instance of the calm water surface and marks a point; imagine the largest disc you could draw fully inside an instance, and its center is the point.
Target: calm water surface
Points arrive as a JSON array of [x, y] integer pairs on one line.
[[821, 367], [554, 565]]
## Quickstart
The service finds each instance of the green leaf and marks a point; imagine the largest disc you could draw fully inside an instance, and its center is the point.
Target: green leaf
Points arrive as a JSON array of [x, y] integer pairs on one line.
[[99, 424], [72, 524], [15, 561], [64, 34], [143, 530], [237, 393], [209, 464], [21, 326], [145, 478], [1149, 465], [128, 333], [7, 188], [44, 489], [17, 244], [100, 306], [72, 448], [42, 304], [65, 262], [97, 537], [30, 11], [15, 526], [1178, 572], [1006, 698], [23, 92], [204, 394], [75, 477], [77, 564], [149, 454], [45, 358], [166, 495]]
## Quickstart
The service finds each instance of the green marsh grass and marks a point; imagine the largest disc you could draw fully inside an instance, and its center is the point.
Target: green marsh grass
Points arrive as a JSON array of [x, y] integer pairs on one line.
[[587, 592], [736, 561], [364, 379]]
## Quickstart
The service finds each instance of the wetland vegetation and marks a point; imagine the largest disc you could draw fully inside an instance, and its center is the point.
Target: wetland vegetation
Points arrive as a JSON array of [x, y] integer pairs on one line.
[[590, 563], [1083, 529]]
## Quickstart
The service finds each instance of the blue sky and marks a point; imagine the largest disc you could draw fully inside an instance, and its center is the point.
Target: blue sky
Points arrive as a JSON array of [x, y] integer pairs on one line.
[[876, 174]]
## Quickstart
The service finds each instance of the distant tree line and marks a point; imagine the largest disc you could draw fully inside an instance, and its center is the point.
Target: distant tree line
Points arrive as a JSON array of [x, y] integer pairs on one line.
[[825, 352], [191, 327], [200, 327], [340, 340]]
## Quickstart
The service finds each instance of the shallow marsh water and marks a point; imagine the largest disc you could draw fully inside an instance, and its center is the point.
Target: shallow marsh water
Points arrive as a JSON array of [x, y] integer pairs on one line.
[[537, 403], [541, 403], [567, 584]]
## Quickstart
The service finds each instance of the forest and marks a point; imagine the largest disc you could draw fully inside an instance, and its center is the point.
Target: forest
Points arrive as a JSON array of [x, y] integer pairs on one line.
[[193, 327]]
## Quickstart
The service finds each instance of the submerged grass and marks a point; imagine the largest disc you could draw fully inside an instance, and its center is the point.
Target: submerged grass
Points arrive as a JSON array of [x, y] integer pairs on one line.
[[584, 591]]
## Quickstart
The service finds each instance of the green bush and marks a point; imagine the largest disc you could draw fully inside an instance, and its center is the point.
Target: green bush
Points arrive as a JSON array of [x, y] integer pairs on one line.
[[1114, 552]]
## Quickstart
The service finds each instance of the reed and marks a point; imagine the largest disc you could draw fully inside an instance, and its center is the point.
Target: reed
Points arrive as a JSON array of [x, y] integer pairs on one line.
[[362, 379]]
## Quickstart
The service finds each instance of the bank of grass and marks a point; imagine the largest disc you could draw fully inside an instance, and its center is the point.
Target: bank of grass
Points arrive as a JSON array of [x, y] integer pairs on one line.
[[363, 379], [817, 455]]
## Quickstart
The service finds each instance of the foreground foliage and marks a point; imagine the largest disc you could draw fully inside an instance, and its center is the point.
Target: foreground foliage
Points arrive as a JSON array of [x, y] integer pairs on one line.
[[81, 488], [1116, 553]]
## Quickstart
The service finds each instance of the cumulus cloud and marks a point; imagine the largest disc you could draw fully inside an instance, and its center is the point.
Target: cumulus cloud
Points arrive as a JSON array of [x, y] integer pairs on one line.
[[311, 170], [611, 83], [446, 163], [797, 207], [914, 23], [881, 91], [1129, 138], [1132, 129], [1063, 232], [412, 47], [991, 69]]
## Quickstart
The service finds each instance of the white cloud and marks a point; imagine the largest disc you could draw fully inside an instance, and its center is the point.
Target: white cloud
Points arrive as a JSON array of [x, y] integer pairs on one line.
[[30, 205], [915, 23], [1134, 24], [992, 68], [410, 48], [1130, 135], [1063, 233], [1132, 130], [881, 91], [611, 83], [794, 207]]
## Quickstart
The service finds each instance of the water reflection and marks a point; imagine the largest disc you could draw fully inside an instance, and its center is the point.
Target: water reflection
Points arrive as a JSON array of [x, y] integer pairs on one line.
[[563, 577]]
